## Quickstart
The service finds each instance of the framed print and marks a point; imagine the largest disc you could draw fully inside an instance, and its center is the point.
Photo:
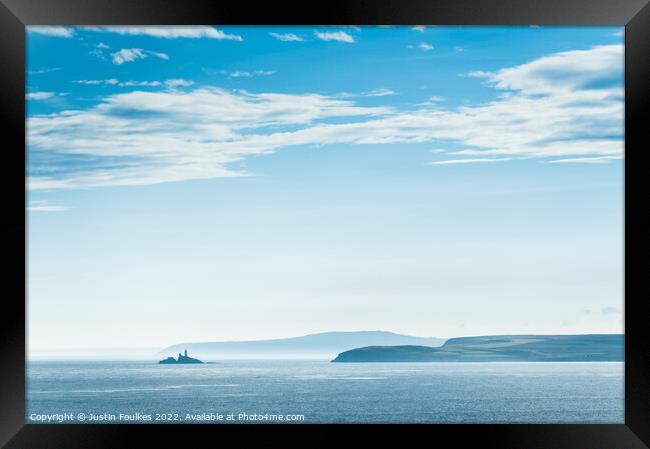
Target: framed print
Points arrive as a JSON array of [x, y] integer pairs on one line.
[[371, 218]]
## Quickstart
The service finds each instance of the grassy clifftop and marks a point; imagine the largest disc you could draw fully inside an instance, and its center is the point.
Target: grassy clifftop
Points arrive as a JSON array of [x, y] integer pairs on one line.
[[499, 348]]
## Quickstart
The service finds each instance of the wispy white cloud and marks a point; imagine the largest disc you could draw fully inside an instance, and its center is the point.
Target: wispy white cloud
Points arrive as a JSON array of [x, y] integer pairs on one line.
[[133, 54], [586, 160], [40, 95], [199, 133], [287, 37], [170, 83], [98, 51], [160, 55], [432, 101], [43, 71], [424, 46], [570, 71], [45, 206], [380, 93], [169, 32], [340, 36], [54, 31], [178, 82], [189, 135], [107, 82], [132, 83], [247, 74], [419, 28], [127, 55], [481, 160]]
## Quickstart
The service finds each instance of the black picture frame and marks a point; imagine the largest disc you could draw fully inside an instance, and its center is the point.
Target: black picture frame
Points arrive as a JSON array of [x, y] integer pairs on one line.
[[633, 14]]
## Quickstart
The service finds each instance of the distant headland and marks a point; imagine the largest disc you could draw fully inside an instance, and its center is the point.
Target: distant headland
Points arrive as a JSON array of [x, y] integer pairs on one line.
[[382, 346], [324, 345], [182, 359], [499, 348]]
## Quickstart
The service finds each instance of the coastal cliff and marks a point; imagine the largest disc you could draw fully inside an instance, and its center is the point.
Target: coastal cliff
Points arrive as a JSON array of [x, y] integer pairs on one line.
[[500, 348]]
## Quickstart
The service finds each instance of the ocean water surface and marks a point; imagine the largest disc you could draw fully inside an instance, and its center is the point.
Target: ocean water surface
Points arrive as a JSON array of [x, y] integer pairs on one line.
[[322, 392]]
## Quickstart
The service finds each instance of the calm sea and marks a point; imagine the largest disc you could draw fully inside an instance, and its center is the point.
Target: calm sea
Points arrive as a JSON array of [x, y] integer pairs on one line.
[[323, 392]]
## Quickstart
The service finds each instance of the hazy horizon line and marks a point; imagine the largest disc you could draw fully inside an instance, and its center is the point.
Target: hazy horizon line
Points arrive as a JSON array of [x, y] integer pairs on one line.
[[162, 347]]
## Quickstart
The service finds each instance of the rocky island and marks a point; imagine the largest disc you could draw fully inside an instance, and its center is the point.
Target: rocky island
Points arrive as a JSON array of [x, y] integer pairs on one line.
[[182, 359], [500, 348]]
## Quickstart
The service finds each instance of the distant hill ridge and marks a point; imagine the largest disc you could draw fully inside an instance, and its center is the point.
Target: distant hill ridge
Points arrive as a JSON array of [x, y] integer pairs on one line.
[[324, 344], [496, 348]]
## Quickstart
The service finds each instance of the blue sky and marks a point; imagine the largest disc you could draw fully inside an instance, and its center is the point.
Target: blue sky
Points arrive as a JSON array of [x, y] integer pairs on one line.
[[209, 183]]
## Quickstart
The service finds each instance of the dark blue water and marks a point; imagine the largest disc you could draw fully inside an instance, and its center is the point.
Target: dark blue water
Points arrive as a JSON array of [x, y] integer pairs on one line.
[[324, 392]]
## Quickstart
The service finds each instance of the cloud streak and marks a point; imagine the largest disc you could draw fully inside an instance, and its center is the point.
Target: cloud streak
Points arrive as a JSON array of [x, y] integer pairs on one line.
[[424, 46], [45, 206], [380, 93], [170, 83], [133, 54], [247, 74], [472, 161], [169, 32], [586, 160], [287, 37], [53, 31], [40, 95], [339, 36], [44, 71]]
